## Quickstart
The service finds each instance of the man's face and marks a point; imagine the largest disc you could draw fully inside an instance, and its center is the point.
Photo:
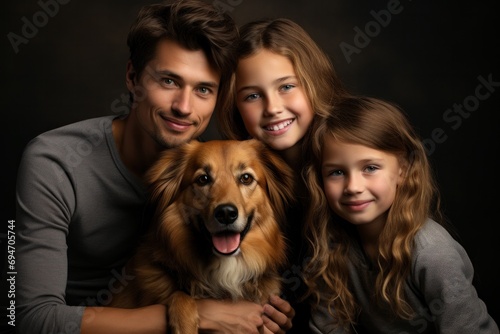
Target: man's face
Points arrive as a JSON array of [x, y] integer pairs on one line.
[[175, 95]]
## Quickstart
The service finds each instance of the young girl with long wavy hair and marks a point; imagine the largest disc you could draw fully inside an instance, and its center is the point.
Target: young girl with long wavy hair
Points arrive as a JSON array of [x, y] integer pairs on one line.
[[283, 80], [381, 260]]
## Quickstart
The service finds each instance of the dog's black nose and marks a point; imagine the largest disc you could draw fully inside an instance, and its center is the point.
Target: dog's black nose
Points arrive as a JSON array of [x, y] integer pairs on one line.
[[226, 214]]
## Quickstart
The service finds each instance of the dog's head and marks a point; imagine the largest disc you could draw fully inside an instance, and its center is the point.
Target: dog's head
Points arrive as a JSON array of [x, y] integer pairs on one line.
[[228, 194]]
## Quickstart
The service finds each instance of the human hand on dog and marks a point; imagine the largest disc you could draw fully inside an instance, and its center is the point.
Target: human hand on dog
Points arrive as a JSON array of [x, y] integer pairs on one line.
[[225, 317], [278, 315]]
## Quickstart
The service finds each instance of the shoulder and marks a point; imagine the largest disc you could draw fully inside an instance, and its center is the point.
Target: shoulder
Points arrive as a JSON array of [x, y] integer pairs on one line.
[[62, 149], [436, 253], [84, 128], [434, 241], [431, 234], [66, 138], [443, 274]]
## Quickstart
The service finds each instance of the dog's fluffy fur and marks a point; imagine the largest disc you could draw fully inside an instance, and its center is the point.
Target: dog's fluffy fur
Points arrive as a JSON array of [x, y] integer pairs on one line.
[[216, 230]]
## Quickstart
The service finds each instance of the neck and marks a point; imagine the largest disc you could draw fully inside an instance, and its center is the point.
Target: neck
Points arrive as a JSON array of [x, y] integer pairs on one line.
[[137, 150], [369, 236]]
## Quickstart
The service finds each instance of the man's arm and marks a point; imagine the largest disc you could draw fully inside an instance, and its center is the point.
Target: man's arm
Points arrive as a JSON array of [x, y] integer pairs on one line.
[[216, 316], [108, 320]]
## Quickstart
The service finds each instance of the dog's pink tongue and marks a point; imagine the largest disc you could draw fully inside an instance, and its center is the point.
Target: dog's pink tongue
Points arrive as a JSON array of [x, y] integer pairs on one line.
[[226, 243]]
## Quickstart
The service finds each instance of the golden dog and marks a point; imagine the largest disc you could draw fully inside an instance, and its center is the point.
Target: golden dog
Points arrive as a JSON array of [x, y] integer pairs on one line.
[[216, 230]]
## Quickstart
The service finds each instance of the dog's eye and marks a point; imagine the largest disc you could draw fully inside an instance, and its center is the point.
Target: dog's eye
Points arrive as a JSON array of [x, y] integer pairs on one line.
[[246, 179], [203, 180]]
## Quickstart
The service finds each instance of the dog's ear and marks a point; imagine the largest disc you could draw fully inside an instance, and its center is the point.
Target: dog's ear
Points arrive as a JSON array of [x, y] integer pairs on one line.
[[279, 176], [165, 176]]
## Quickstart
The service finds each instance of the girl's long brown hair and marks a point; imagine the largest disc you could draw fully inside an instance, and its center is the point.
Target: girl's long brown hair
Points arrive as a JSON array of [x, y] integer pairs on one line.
[[382, 126]]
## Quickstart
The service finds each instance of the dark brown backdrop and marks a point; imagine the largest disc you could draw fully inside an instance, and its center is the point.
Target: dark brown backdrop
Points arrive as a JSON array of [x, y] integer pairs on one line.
[[63, 61]]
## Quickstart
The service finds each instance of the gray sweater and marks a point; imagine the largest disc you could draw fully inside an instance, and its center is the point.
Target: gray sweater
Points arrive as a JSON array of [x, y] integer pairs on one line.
[[439, 289], [78, 219]]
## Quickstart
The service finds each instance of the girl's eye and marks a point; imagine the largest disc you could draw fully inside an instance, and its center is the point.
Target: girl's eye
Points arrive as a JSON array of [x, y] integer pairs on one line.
[[335, 173], [203, 180], [371, 169], [252, 97], [287, 87], [246, 179]]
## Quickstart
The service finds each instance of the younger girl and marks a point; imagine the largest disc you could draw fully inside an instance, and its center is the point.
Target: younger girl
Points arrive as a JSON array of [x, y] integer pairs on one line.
[[379, 258], [282, 81]]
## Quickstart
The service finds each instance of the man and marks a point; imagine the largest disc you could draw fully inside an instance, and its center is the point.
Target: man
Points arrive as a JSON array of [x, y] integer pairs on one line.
[[81, 195]]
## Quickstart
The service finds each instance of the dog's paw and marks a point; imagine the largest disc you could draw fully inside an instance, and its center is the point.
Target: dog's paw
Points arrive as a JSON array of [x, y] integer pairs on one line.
[[182, 314]]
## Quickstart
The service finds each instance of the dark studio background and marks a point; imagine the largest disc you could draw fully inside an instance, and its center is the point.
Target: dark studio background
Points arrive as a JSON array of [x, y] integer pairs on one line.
[[428, 58]]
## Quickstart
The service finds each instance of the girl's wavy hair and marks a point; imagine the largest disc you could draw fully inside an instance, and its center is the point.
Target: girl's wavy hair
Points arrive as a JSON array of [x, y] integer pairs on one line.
[[195, 25], [382, 126], [312, 66]]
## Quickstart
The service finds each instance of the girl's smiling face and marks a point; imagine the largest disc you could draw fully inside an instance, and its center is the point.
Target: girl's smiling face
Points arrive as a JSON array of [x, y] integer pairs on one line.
[[359, 182], [271, 100]]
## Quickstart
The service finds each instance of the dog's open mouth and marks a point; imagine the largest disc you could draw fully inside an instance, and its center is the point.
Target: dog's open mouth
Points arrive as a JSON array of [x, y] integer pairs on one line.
[[226, 240], [226, 243]]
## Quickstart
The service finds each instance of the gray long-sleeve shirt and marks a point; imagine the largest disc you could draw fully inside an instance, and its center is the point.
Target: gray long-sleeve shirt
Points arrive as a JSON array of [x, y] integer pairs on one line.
[[439, 289], [78, 219]]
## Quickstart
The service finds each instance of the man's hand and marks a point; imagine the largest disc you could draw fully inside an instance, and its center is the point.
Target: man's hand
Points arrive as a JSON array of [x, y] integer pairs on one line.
[[278, 315], [227, 317]]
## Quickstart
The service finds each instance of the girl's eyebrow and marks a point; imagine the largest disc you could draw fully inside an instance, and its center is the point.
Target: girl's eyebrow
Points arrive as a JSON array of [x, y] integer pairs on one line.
[[247, 88], [288, 77], [362, 161], [369, 160], [276, 81]]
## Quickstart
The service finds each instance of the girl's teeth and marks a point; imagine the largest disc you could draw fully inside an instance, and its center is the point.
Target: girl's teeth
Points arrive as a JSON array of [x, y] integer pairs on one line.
[[279, 126]]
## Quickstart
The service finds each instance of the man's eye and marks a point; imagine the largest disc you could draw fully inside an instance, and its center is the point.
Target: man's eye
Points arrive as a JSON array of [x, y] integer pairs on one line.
[[204, 90], [168, 81]]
